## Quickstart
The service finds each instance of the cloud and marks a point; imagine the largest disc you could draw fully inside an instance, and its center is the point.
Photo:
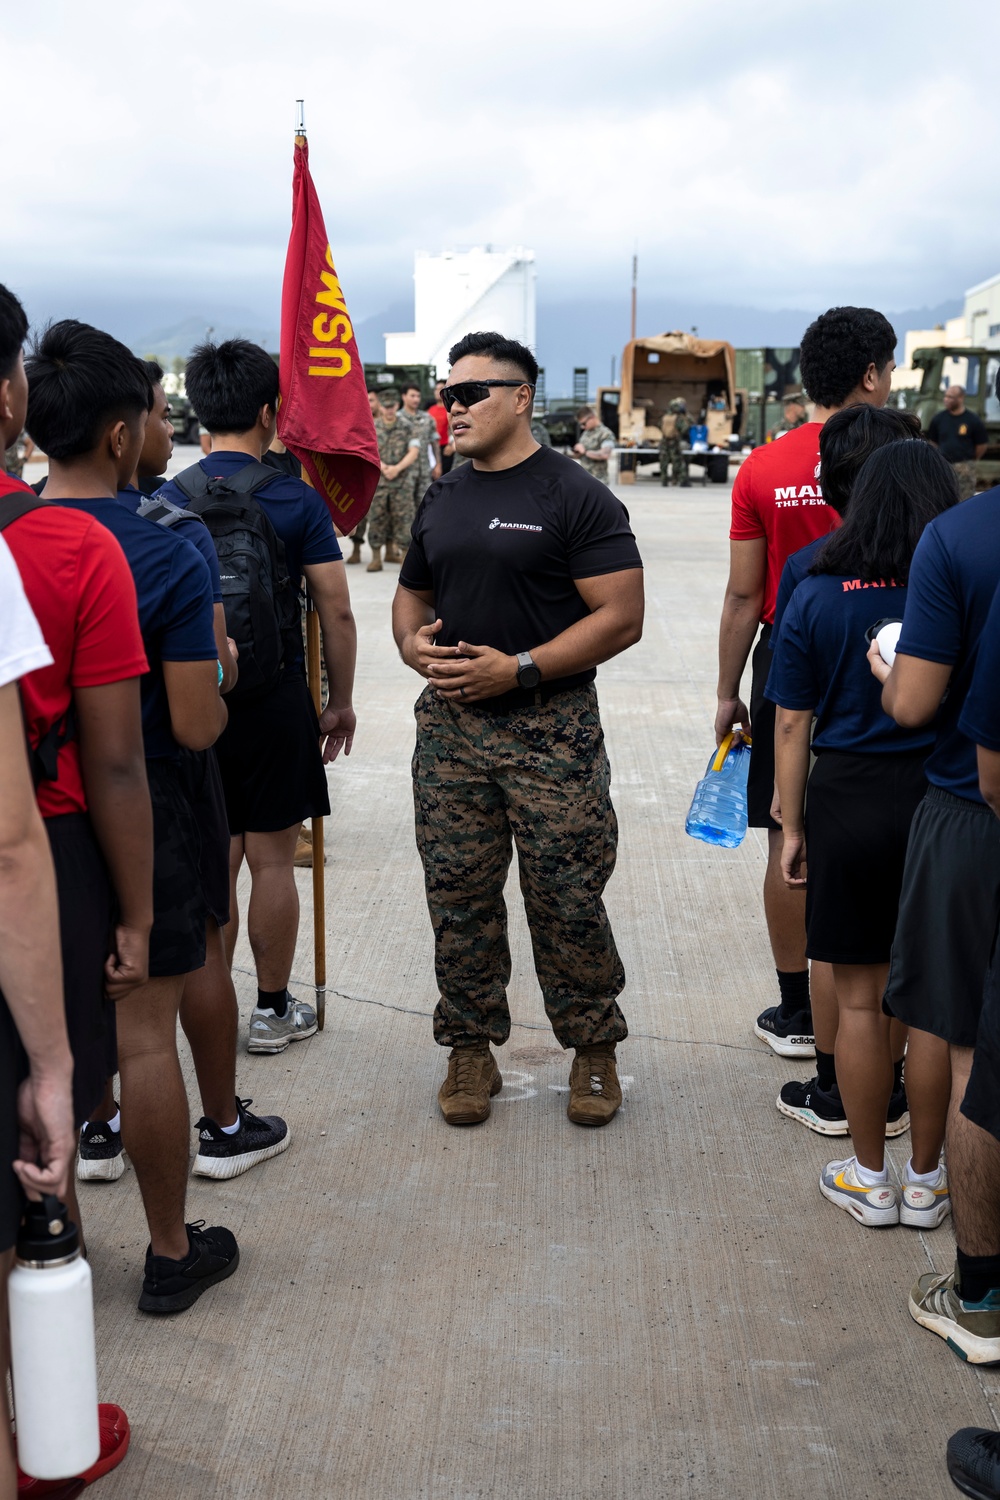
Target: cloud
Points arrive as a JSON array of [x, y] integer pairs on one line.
[[778, 160]]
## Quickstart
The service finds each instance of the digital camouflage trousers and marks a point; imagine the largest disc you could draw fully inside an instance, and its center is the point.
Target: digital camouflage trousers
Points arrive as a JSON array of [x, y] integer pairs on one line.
[[392, 512], [539, 778]]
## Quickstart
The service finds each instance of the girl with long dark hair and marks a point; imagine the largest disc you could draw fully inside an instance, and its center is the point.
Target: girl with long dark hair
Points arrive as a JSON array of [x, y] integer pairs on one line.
[[863, 792]]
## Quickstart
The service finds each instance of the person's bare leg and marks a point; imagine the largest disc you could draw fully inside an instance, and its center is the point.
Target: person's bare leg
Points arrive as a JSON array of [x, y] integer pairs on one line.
[[273, 915], [8, 1468], [231, 931], [155, 1120], [928, 1090], [784, 911], [864, 1059], [898, 1034], [210, 1018], [973, 1157], [823, 996]]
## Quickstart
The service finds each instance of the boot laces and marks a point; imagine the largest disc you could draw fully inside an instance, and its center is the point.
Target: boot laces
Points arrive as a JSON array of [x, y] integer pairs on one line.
[[598, 1064], [468, 1062]]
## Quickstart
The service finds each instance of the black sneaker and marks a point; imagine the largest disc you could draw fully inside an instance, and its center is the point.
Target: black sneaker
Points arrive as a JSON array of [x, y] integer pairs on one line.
[[222, 1155], [822, 1110], [897, 1116], [790, 1036], [172, 1285], [818, 1109], [974, 1462], [102, 1156]]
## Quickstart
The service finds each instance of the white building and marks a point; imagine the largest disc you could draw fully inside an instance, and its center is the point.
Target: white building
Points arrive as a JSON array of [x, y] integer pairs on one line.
[[982, 314], [954, 334], [471, 291]]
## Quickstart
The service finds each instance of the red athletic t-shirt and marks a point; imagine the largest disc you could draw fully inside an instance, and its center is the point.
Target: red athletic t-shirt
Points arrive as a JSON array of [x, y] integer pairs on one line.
[[440, 416], [777, 496], [81, 591]]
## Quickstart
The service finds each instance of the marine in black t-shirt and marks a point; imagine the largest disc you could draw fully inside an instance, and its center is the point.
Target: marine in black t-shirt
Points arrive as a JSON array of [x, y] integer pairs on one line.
[[958, 435], [522, 575], [500, 551]]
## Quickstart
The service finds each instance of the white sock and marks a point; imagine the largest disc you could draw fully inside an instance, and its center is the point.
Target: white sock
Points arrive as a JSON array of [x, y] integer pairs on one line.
[[231, 1129], [116, 1122], [925, 1179], [868, 1178]]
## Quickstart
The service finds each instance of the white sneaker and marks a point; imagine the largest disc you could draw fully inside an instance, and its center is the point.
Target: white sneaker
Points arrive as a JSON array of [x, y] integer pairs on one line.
[[923, 1207], [272, 1033], [875, 1207]]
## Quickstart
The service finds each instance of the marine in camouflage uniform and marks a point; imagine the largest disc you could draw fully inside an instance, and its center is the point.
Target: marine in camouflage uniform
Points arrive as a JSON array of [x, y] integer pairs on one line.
[[425, 429], [537, 777], [671, 445], [592, 439], [394, 505]]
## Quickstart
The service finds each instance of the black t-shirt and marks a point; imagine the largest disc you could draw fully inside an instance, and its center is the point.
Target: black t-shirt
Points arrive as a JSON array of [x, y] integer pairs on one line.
[[499, 551], [957, 437]]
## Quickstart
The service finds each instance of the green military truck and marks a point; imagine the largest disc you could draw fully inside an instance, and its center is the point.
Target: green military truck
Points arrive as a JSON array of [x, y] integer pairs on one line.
[[425, 376], [975, 370]]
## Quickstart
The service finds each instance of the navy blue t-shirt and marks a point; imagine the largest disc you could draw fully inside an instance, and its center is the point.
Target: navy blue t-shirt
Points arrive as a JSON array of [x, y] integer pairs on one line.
[[953, 579], [796, 568], [293, 508], [174, 589], [980, 719], [821, 663], [191, 528]]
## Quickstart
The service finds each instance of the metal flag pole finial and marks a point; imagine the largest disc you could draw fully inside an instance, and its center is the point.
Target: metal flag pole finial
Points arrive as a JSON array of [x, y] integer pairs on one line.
[[300, 117]]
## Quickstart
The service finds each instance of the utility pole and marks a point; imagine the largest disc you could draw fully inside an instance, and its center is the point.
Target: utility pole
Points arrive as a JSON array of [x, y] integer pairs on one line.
[[635, 279]]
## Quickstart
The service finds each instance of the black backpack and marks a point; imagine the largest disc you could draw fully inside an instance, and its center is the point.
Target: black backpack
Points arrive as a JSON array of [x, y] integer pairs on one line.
[[263, 613], [43, 757]]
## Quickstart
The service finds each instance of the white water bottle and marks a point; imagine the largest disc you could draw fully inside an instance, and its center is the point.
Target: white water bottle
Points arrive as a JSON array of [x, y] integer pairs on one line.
[[53, 1358]]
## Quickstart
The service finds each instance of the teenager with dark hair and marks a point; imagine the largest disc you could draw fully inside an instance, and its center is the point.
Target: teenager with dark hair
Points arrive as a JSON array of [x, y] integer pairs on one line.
[[273, 769], [85, 383], [950, 903], [945, 971], [866, 786], [522, 576], [82, 715], [231, 1139], [777, 508], [846, 441]]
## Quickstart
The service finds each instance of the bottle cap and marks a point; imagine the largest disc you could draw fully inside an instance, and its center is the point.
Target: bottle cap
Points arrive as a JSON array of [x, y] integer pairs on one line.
[[47, 1233]]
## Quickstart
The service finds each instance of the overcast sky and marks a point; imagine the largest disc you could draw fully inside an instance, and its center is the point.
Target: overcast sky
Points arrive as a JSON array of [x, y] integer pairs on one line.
[[760, 155]]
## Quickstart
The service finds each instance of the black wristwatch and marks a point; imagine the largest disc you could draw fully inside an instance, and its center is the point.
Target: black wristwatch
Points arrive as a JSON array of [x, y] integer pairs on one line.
[[528, 675]]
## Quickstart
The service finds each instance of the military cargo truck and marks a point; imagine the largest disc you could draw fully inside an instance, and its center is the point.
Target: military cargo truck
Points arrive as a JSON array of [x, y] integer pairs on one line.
[[975, 370], [656, 370]]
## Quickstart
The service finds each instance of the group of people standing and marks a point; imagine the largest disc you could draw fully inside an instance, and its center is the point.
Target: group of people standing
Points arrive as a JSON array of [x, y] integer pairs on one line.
[[875, 771]]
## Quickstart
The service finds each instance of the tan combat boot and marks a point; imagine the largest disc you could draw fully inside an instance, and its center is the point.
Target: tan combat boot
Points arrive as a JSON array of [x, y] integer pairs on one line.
[[355, 556], [391, 555], [375, 566], [473, 1079], [595, 1094]]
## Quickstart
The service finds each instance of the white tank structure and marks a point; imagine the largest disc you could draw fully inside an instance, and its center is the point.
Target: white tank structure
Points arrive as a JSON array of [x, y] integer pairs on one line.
[[468, 291]]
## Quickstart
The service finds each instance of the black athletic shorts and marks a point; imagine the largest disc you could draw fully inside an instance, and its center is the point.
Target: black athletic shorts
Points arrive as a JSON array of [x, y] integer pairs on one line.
[[177, 941], [271, 763], [948, 911], [858, 814], [13, 1069], [202, 783], [760, 780], [981, 1104], [86, 920]]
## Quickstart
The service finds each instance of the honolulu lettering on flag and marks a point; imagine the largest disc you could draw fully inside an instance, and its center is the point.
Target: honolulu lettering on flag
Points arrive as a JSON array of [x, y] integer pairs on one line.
[[324, 417]]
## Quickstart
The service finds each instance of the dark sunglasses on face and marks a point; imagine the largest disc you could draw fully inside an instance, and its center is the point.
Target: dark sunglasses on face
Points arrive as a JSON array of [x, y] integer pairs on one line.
[[470, 392]]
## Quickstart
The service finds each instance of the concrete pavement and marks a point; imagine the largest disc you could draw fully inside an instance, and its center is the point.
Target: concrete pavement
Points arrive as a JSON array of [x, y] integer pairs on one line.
[[528, 1310]]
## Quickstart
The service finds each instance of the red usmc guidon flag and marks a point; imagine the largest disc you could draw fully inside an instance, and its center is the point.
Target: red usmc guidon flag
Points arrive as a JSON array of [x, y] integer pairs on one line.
[[324, 417]]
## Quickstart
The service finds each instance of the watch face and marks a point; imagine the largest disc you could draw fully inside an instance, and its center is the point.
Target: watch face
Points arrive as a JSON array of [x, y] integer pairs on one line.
[[529, 677]]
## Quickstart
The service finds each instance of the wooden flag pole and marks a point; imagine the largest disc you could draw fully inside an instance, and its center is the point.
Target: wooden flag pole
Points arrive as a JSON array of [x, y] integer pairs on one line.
[[314, 674]]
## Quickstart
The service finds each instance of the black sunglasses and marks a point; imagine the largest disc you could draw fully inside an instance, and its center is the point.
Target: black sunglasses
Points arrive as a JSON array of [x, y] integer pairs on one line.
[[469, 392]]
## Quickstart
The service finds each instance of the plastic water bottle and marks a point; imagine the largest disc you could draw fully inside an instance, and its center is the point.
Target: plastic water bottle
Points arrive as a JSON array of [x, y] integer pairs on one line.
[[53, 1358], [718, 813]]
